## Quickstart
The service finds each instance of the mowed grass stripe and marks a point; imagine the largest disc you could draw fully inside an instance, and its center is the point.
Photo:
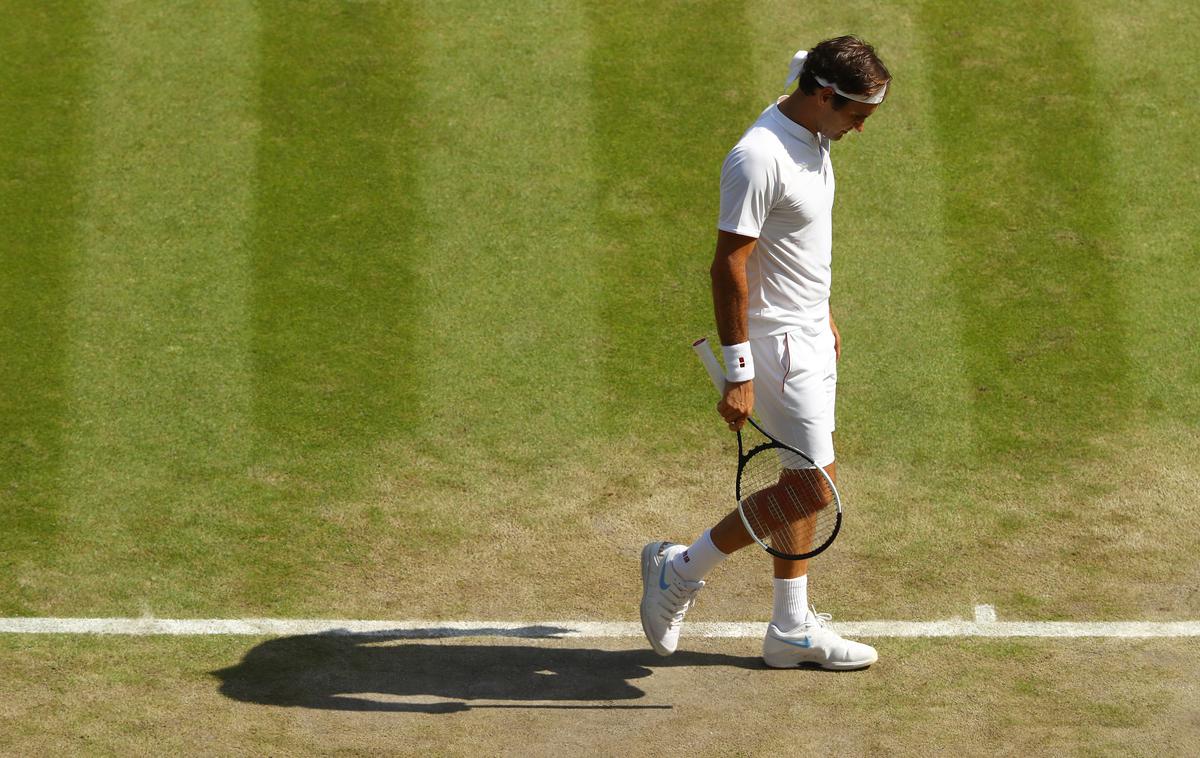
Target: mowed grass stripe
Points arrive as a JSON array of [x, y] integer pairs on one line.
[[677, 91], [337, 247], [1142, 64], [43, 59], [904, 416], [1028, 179], [1155, 520], [672, 91], [510, 325], [158, 375], [508, 337], [1033, 203]]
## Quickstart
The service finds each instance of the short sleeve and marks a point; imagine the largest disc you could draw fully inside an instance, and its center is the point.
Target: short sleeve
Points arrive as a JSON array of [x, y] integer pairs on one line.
[[748, 188]]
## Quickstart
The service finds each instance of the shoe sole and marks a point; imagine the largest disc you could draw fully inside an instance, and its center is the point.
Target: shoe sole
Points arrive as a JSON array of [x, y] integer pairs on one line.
[[837, 666], [648, 554]]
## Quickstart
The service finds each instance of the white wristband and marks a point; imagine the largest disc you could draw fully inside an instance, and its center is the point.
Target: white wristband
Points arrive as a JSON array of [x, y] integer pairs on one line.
[[739, 363]]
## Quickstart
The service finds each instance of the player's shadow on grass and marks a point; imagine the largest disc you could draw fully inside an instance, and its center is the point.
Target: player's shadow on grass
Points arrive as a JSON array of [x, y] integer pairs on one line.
[[382, 672]]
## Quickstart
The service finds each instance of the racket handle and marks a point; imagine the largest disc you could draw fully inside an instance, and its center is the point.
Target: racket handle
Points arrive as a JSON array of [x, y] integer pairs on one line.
[[710, 363]]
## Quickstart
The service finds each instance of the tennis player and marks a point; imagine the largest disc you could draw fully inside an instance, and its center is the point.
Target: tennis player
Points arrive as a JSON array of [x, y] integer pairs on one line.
[[770, 285]]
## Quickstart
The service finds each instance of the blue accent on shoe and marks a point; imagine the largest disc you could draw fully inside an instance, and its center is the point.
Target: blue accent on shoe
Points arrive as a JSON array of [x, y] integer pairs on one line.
[[805, 643], [662, 584]]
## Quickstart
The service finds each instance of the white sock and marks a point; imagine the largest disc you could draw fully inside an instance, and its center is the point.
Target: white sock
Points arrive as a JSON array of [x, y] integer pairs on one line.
[[791, 603], [701, 557]]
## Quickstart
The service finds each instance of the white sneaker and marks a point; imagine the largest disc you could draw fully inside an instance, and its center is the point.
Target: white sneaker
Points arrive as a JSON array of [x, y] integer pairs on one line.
[[813, 642], [666, 597]]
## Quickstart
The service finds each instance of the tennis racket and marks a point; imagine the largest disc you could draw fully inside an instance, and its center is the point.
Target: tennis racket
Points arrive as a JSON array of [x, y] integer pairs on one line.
[[787, 503]]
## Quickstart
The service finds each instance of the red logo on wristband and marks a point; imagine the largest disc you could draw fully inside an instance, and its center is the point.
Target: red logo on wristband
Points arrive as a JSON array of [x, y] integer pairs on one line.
[[741, 362]]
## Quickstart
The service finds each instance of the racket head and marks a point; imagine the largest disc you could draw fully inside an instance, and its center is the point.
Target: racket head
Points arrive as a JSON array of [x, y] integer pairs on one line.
[[788, 504]]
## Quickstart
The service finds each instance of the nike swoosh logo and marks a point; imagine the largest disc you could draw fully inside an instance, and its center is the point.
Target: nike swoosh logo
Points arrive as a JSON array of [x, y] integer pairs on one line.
[[805, 643], [662, 577]]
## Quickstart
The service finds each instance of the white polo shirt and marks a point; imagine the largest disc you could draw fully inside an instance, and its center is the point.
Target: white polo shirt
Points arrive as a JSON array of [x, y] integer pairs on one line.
[[777, 186]]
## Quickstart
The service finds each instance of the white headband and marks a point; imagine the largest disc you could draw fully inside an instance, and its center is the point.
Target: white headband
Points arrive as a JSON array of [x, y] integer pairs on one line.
[[797, 67]]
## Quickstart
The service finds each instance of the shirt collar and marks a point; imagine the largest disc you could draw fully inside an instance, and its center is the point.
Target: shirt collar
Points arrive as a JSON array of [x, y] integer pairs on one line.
[[794, 129]]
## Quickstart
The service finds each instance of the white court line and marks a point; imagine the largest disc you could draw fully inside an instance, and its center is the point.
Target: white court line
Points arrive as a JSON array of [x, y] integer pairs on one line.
[[984, 625]]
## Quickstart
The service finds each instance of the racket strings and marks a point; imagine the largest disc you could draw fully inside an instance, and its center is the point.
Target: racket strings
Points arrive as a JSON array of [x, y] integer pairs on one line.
[[792, 510]]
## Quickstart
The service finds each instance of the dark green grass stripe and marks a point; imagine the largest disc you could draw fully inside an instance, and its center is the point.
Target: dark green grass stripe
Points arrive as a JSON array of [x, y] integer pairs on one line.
[[334, 298], [334, 288], [42, 64], [676, 88], [1030, 209]]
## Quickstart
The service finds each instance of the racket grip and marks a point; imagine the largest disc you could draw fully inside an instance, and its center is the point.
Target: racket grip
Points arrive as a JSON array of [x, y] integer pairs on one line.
[[710, 363]]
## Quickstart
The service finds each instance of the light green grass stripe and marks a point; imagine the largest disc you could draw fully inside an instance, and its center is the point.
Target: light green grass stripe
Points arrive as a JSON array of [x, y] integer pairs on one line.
[[1144, 57], [900, 398], [1145, 61], [510, 337], [902, 406], [158, 375], [904, 415], [506, 340], [903, 411], [43, 60]]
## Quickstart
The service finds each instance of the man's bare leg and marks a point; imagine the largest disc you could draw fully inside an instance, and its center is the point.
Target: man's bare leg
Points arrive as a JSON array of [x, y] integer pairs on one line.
[[730, 535]]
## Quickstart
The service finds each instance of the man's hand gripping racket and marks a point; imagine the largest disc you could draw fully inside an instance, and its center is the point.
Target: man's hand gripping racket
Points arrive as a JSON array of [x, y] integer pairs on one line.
[[788, 504]]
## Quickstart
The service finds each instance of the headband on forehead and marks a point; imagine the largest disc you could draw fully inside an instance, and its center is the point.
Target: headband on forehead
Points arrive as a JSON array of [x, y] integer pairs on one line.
[[797, 68]]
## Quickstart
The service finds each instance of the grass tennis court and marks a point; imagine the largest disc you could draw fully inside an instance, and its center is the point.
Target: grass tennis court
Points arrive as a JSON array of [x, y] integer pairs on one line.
[[383, 310]]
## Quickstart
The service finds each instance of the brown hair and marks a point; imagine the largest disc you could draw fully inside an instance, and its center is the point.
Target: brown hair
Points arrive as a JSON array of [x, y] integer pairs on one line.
[[849, 63]]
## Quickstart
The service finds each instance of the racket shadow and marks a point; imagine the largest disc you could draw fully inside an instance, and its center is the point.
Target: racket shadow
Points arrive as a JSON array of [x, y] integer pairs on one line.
[[390, 672]]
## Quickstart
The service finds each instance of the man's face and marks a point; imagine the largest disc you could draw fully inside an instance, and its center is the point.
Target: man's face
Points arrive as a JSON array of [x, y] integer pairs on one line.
[[851, 116]]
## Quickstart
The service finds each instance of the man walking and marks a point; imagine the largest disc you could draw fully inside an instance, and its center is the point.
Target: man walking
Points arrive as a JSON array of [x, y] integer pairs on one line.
[[770, 285]]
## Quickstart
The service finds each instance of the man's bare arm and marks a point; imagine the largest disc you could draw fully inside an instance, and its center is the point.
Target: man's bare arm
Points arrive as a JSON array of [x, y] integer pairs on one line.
[[837, 336], [729, 292]]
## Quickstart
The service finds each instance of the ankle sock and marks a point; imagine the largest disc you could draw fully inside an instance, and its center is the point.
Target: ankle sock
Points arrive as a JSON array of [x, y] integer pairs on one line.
[[791, 603], [701, 557]]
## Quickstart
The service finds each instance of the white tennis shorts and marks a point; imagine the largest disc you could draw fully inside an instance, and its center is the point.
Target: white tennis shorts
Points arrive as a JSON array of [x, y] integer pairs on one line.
[[795, 387]]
